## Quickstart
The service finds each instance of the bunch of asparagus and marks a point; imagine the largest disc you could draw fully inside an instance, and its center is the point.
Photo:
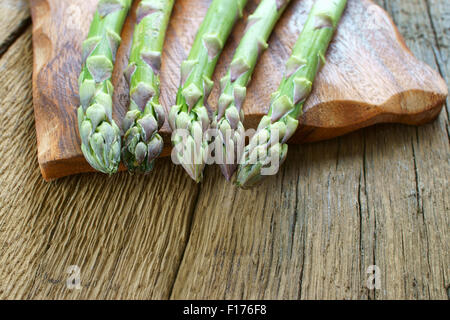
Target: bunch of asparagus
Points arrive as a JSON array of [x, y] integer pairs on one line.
[[142, 142], [100, 136], [189, 117], [101, 141], [276, 128], [228, 119]]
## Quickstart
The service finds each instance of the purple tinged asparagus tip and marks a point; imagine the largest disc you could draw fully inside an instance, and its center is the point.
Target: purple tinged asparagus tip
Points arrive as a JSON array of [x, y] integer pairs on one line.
[[228, 170], [281, 107], [239, 96], [106, 101], [97, 144], [142, 94], [208, 85], [323, 21], [85, 132], [197, 129], [232, 115], [182, 121], [131, 137], [212, 44], [145, 9], [96, 113], [192, 95], [140, 152], [173, 113], [87, 92], [242, 115], [262, 46], [280, 128], [100, 68], [155, 147], [114, 41], [129, 119], [223, 129], [149, 126], [128, 73], [89, 46], [160, 115], [237, 68], [264, 123], [202, 114], [106, 7], [291, 127], [302, 89], [153, 59], [281, 3], [223, 83], [224, 101], [252, 19], [186, 68], [293, 65], [283, 154]]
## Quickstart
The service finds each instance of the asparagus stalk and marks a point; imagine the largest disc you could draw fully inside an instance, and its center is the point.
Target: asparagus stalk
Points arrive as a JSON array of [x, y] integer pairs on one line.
[[100, 136], [142, 142], [190, 113], [229, 116], [280, 124]]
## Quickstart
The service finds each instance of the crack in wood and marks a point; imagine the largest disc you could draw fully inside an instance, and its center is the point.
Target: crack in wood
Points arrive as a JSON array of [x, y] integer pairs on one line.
[[188, 237], [14, 35]]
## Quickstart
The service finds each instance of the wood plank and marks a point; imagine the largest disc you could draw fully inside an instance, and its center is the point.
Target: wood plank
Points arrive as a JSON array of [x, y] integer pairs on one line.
[[411, 214], [127, 234], [378, 197], [14, 18], [297, 236], [18, 173], [388, 83], [438, 12]]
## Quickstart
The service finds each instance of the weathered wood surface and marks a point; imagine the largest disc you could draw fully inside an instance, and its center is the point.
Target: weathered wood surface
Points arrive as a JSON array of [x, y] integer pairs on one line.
[[370, 76], [379, 196], [14, 18]]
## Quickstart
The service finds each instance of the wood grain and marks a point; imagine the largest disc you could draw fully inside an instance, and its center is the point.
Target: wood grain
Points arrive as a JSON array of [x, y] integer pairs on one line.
[[95, 222], [415, 203], [14, 18], [377, 196], [370, 76]]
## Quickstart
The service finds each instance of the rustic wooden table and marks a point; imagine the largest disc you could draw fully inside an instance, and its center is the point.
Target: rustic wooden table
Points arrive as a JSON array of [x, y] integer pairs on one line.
[[379, 196]]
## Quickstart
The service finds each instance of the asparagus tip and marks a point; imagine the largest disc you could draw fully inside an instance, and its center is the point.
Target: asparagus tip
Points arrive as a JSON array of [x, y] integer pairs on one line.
[[195, 171], [248, 176], [228, 170]]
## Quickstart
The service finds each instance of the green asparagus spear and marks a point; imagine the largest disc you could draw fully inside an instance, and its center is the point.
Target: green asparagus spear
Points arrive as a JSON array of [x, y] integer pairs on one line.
[[280, 124], [142, 142], [189, 113], [100, 136], [229, 116]]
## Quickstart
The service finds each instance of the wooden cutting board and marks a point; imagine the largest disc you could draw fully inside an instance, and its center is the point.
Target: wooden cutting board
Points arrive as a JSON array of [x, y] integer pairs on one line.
[[370, 75]]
